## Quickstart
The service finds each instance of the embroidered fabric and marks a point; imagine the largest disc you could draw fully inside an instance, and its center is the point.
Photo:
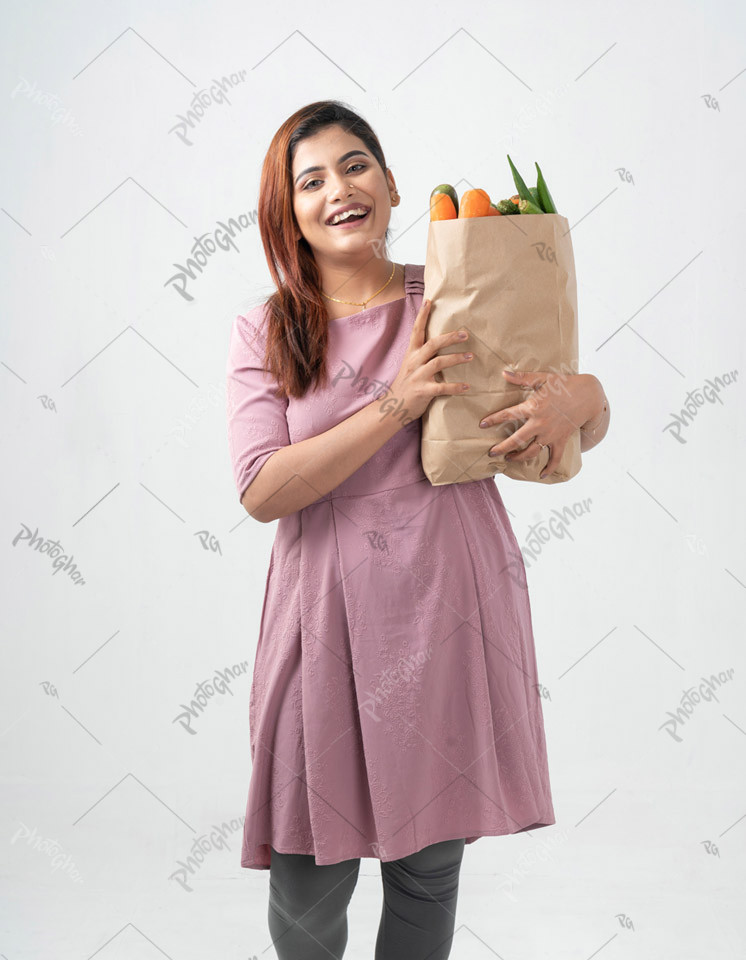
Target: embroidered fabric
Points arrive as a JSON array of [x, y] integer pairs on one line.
[[394, 700]]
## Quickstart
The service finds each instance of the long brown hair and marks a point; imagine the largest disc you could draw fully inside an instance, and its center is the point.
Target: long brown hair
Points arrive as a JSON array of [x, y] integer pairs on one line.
[[297, 322]]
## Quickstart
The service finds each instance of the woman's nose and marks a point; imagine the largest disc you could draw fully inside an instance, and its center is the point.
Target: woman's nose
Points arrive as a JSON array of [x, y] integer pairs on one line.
[[339, 188]]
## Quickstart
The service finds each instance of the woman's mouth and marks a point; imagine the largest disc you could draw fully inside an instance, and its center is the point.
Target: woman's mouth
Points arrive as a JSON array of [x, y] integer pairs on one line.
[[350, 222]]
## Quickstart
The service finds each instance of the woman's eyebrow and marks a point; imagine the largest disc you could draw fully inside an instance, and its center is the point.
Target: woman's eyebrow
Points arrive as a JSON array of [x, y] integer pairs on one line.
[[351, 153]]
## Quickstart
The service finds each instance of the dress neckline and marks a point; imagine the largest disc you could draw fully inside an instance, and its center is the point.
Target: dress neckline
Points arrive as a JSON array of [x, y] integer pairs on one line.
[[378, 306]]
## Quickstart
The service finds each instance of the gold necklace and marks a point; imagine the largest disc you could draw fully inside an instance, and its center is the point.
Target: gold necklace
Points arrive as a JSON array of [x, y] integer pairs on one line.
[[365, 302]]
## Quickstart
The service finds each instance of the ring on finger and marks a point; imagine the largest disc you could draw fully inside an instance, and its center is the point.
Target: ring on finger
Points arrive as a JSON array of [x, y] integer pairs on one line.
[[513, 453]]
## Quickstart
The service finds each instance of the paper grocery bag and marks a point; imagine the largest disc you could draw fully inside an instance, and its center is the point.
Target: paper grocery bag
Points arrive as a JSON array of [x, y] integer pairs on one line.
[[510, 282]]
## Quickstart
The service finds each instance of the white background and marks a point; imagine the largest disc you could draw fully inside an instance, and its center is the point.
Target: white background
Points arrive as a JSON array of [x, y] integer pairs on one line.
[[114, 444]]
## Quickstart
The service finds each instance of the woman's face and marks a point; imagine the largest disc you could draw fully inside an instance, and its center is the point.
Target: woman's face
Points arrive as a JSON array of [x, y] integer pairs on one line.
[[347, 173]]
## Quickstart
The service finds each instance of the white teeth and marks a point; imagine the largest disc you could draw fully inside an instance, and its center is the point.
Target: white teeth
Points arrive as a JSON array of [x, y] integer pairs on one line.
[[344, 216]]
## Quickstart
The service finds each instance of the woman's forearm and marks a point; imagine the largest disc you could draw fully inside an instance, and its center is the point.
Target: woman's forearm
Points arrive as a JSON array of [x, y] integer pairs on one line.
[[594, 429], [300, 473]]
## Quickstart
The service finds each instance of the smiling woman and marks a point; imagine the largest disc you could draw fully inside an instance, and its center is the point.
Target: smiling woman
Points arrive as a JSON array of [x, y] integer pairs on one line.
[[371, 568], [352, 213], [350, 195], [337, 165]]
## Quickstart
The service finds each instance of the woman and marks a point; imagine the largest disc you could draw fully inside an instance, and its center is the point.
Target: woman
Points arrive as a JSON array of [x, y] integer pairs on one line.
[[394, 710]]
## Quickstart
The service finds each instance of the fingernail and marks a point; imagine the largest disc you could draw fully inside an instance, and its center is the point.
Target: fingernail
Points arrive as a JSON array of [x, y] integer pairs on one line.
[[483, 423], [462, 335]]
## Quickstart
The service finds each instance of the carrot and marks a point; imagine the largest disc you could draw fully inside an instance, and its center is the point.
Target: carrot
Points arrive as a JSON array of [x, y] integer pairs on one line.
[[442, 207], [475, 203]]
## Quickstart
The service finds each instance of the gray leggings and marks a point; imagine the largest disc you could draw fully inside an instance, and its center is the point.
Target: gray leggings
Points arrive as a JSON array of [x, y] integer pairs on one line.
[[308, 904]]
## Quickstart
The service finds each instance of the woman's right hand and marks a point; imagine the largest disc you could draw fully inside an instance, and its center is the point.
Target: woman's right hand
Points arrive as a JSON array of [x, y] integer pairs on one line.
[[414, 384]]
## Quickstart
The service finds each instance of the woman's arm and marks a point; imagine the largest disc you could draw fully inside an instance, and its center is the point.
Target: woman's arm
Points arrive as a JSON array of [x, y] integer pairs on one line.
[[300, 473], [594, 429]]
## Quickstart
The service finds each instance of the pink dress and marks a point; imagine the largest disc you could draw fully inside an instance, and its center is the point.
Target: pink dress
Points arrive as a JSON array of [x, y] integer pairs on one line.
[[394, 700]]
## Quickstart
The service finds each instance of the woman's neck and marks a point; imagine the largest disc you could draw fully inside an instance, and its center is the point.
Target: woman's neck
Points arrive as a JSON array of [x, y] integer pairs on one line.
[[354, 289]]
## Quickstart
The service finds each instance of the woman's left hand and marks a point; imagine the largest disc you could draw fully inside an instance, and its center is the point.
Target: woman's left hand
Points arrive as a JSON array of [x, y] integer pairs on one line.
[[556, 406]]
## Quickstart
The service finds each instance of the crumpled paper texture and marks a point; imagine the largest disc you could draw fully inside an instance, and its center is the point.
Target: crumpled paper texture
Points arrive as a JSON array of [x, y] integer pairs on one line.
[[510, 282]]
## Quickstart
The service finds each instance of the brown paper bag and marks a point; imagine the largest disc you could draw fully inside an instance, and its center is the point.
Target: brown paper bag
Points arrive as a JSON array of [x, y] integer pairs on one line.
[[510, 282]]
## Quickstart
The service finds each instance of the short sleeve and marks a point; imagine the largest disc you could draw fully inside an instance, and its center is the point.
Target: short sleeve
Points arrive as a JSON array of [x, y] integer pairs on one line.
[[257, 422]]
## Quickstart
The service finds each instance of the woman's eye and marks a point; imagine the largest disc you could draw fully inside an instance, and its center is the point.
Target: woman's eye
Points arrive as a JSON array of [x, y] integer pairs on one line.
[[316, 180]]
